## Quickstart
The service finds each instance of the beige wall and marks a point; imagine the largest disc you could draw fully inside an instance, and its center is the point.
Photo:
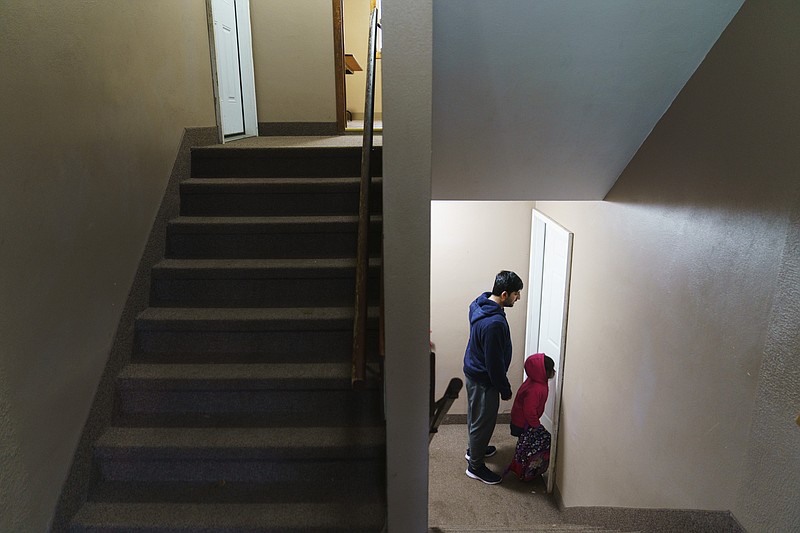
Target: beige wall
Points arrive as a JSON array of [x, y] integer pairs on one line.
[[356, 37], [293, 60], [95, 98], [470, 243], [673, 283]]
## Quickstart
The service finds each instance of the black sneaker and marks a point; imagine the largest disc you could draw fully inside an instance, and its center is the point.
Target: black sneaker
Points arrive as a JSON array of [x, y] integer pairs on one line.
[[485, 475], [490, 451]]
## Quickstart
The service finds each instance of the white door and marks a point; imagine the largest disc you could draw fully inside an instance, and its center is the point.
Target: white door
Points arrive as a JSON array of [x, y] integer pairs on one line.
[[551, 255], [235, 80]]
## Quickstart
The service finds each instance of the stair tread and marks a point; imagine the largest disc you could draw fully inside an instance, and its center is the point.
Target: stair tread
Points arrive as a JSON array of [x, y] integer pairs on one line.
[[251, 441], [249, 376], [286, 267], [245, 517], [284, 490], [265, 225], [261, 220], [269, 419], [297, 146], [244, 316], [246, 183]]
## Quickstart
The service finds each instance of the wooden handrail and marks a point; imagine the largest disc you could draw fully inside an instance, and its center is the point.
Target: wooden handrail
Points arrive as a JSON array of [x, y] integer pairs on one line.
[[359, 371]]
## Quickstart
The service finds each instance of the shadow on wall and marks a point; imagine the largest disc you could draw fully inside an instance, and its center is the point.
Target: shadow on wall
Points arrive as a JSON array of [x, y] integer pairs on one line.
[[734, 151]]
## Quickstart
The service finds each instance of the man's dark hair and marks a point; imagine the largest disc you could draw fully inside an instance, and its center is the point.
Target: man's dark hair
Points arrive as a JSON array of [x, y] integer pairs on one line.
[[549, 365], [506, 281]]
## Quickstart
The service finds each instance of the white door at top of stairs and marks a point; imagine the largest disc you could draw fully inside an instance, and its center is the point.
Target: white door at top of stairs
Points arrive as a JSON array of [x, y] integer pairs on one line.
[[234, 70]]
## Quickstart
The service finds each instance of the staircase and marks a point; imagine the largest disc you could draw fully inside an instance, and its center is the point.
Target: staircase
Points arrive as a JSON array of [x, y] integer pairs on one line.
[[236, 411]]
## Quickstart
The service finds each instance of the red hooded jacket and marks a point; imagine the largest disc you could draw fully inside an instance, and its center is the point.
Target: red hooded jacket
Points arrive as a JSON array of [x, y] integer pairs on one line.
[[532, 394]]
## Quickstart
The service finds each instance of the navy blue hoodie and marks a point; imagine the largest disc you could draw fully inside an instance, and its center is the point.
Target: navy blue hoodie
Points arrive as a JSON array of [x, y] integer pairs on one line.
[[488, 354]]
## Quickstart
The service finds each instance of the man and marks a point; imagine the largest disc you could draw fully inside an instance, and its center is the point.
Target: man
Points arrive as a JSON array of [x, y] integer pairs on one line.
[[486, 362]]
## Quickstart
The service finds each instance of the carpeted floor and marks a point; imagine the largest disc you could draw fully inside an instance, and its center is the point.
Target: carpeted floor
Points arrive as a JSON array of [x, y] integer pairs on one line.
[[457, 503], [454, 500]]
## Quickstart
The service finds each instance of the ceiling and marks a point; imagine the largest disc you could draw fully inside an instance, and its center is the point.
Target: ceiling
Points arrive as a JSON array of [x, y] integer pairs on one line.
[[550, 99]]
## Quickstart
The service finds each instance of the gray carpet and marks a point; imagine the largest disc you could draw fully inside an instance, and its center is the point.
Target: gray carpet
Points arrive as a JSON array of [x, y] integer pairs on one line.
[[457, 503]]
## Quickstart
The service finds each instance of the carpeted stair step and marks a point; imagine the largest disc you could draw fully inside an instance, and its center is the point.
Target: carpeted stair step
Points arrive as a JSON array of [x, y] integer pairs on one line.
[[314, 394], [258, 282], [347, 488], [352, 517], [268, 237], [281, 162], [248, 455], [274, 196], [235, 335]]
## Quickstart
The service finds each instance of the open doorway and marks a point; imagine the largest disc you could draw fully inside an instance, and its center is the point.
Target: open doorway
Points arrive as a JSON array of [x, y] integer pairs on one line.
[[232, 68], [351, 34]]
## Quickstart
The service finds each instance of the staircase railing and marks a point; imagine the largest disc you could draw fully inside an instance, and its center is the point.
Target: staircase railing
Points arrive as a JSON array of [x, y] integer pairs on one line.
[[439, 408], [359, 371]]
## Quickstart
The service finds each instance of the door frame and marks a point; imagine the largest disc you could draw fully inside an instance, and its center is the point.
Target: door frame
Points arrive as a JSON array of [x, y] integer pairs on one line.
[[246, 70], [540, 223], [338, 58]]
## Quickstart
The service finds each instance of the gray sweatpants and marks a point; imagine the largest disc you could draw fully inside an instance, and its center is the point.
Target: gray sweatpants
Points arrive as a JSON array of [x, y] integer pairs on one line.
[[483, 402]]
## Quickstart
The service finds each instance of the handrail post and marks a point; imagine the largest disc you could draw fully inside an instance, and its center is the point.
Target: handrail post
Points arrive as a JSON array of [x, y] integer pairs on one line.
[[359, 370]]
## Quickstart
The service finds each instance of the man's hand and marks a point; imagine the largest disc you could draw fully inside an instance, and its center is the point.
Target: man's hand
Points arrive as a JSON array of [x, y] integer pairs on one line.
[[505, 397]]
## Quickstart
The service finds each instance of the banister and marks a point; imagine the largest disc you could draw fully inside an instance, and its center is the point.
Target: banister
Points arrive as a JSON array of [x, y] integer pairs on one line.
[[359, 369], [439, 408]]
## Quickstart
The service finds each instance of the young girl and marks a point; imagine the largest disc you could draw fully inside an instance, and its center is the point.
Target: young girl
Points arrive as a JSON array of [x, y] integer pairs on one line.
[[532, 455]]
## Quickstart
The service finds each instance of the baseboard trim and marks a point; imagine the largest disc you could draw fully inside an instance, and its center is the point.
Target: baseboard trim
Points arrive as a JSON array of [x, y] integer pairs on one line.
[[559, 500], [646, 519], [271, 129]]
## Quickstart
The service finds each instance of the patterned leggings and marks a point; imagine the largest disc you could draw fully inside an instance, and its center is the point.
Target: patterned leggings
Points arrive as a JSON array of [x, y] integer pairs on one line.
[[532, 456]]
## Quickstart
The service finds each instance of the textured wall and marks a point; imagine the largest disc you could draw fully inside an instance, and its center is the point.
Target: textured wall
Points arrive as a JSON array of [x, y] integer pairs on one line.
[[680, 296], [95, 98], [470, 243], [770, 489], [293, 59]]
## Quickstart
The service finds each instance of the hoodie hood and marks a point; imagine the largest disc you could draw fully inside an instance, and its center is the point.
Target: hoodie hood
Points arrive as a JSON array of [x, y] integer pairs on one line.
[[483, 307], [534, 368], [532, 395]]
